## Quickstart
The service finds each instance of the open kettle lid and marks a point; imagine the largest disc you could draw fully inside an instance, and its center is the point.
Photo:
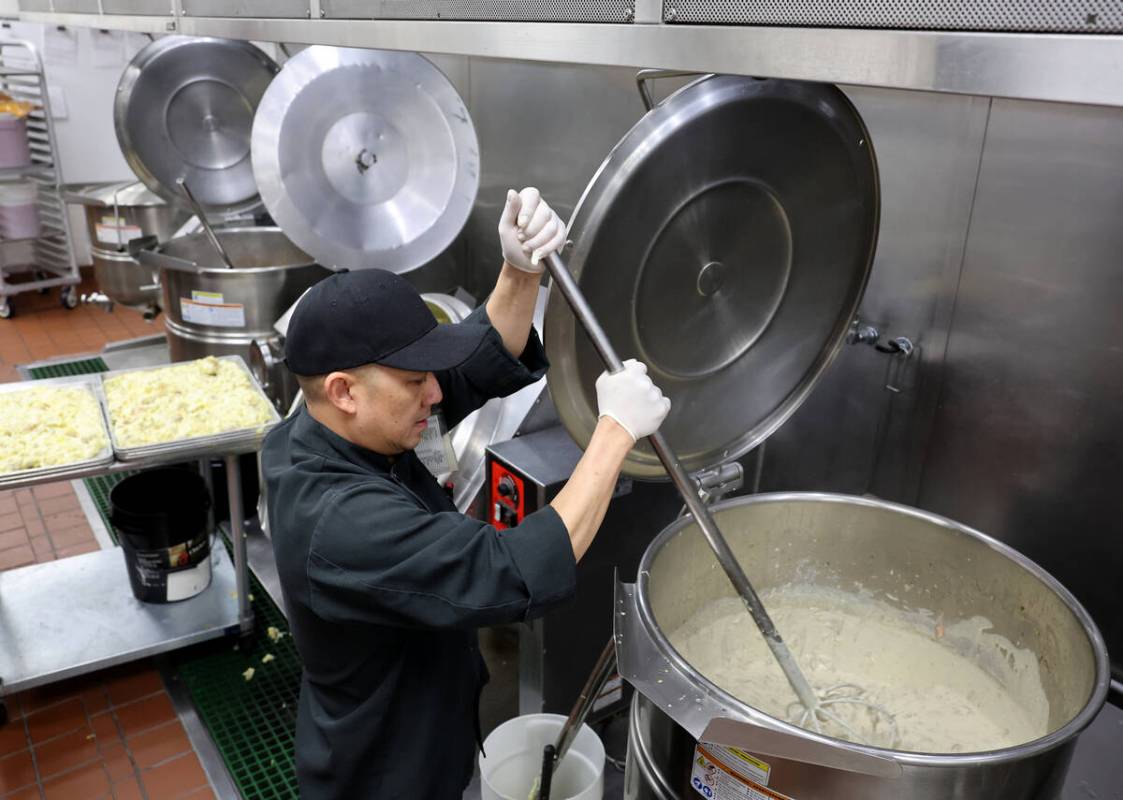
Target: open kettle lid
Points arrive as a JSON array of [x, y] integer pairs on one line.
[[366, 158], [725, 241], [184, 109]]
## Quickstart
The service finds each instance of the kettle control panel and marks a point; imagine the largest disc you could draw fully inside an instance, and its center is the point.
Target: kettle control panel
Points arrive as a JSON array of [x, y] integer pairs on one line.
[[507, 502], [523, 474]]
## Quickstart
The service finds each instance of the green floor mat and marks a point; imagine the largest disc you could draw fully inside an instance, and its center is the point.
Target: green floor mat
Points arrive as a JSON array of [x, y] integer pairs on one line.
[[252, 722], [64, 369]]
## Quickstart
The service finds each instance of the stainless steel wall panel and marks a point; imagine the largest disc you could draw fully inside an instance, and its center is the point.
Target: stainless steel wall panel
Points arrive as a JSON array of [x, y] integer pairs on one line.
[[509, 10], [1067, 68], [75, 6], [1097, 16], [1028, 438], [35, 5], [544, 125], [853, 434], [159, 8], [457, 69], [279, 9]]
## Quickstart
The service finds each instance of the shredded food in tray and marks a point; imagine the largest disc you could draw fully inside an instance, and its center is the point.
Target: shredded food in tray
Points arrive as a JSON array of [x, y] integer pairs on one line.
[[49, 427], [199, 398]]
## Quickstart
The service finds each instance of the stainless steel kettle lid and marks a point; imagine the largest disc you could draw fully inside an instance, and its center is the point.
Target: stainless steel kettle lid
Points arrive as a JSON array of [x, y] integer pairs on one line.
[[184, 109], [366, 158], [726, 242]]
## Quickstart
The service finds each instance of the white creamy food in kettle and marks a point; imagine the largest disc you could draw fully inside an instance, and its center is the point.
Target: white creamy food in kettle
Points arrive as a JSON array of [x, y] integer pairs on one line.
[[926, 674]]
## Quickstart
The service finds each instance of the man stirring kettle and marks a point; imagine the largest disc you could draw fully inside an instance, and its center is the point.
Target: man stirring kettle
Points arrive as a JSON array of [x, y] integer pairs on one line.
[[385, 583]]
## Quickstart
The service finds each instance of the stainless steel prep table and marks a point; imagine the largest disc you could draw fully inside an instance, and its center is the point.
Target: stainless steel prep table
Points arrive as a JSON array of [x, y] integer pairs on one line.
[[77, 615]]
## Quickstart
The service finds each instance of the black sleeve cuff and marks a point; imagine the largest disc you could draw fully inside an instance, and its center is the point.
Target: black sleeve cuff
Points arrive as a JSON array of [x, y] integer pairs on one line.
[[493, 370], [543, 554]]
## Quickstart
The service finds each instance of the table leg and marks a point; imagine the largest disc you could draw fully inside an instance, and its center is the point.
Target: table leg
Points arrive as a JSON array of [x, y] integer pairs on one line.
[[208, 479], [238, 535]]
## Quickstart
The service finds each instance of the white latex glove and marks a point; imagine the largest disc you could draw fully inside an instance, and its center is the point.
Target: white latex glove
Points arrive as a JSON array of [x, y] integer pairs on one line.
[[529, 230], [630, 398]]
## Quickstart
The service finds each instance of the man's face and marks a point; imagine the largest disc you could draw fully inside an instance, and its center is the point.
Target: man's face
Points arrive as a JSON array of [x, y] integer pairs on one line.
[[391, 407]]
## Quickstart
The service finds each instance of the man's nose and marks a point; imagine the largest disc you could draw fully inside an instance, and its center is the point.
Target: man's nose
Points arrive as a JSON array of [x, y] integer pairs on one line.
[[433, 393]]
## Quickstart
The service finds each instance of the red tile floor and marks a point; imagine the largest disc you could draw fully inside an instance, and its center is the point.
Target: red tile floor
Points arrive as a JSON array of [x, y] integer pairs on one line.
[[112, 734]]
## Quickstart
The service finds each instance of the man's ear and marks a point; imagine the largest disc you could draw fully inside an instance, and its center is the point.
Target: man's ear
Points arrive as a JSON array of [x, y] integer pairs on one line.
[[337, 391]]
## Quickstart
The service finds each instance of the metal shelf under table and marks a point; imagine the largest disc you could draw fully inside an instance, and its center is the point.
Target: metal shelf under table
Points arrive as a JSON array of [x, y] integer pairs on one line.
[[77, 615], [73, 616]]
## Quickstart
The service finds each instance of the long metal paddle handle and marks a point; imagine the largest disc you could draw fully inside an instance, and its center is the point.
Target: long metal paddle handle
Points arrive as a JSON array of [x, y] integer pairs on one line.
[[606, 663], [202, 215], [555, 752], [685, 485]]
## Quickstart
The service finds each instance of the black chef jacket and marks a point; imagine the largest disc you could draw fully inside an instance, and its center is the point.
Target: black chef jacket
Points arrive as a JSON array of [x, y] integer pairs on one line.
[[385, 585]]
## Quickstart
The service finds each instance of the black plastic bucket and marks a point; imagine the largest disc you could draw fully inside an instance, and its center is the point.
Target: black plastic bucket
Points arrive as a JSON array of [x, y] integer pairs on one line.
[[161, 517]]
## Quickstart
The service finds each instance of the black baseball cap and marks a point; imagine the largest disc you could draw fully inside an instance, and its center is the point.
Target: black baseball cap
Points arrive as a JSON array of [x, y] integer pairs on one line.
[[372, 316]]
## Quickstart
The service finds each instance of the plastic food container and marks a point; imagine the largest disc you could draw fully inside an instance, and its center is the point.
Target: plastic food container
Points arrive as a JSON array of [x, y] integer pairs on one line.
[[15, 151], [19, 210]]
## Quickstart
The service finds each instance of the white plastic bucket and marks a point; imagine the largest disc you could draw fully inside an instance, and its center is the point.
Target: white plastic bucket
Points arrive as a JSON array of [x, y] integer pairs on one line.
[[514, 760], [19, 210]]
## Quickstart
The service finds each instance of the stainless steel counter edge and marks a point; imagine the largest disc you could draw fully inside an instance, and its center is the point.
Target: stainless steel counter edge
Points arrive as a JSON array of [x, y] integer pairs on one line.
[[1072, 68]]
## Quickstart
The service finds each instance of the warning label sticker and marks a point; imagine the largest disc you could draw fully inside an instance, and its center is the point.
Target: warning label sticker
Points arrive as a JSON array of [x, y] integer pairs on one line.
[[210, 298], [114, 230], [218, 315], [726, 773]]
